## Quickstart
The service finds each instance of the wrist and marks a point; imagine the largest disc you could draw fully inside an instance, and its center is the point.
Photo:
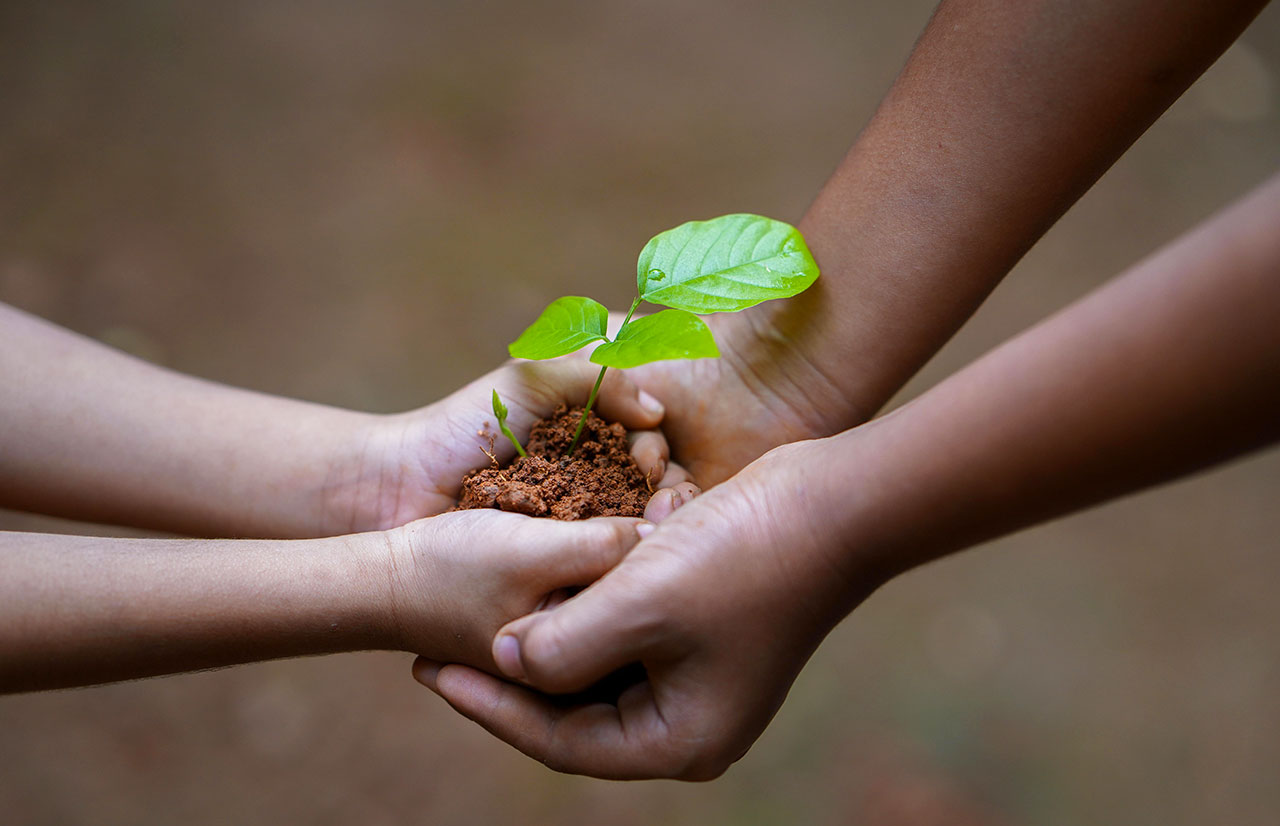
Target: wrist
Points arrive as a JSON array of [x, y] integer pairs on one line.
[[359, 478], [893, 502], [773, 347], [803, 497], [370, 567]]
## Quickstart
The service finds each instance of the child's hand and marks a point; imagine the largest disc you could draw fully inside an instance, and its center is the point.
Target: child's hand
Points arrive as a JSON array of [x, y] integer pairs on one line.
[[408, 466], [455, 579]]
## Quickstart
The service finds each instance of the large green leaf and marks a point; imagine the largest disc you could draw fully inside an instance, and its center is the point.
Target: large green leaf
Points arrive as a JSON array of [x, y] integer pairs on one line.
[[567, 324], [725, 264], [670, 334]]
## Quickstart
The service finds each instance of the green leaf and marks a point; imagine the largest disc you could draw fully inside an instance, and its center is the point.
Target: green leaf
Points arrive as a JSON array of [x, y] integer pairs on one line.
[[670, 334], [566, 325], [726, 264]]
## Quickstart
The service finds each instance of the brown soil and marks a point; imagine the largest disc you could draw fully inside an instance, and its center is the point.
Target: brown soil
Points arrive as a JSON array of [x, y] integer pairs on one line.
[[600, 479]]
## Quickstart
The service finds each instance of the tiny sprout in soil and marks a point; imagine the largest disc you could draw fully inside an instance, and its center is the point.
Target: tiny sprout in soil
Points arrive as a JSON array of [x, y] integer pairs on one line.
[[500, 410], [726, 264]]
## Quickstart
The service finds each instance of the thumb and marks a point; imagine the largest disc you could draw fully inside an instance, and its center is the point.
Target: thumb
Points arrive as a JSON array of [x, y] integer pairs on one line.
[[576, 644]]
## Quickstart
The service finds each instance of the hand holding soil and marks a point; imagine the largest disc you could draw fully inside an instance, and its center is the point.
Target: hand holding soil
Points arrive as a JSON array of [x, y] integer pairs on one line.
[[201, 457], [727, 599]]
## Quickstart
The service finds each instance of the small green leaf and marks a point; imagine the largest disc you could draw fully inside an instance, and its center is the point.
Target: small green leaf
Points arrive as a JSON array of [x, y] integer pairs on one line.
[[726, 264], [670, 334], [500, 410], [567, 324]]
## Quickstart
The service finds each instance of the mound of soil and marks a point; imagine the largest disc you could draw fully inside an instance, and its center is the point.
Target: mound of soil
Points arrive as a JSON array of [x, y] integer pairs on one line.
[[599, 479]]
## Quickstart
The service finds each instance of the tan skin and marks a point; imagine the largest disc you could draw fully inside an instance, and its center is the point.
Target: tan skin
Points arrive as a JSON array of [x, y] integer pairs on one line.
[[1169, 369], [1003, 116], [90, 433], [80, 610]]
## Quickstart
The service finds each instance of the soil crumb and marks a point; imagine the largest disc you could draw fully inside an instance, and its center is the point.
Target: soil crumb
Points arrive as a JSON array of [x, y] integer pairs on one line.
[[599, 479]]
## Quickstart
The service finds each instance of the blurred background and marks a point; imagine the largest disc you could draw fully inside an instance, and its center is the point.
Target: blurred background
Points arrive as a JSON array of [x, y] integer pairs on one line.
[[360, 204]]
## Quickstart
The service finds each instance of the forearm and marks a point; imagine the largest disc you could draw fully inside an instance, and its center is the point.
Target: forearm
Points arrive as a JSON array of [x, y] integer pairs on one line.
[[84, 610], [93, 434], [1004, 115], [1170, 368]]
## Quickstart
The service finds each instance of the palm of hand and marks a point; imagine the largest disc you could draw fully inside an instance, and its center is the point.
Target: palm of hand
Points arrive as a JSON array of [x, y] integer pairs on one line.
[[411, 465]]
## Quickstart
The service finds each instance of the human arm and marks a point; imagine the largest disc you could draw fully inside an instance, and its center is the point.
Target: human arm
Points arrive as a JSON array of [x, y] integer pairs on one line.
[[90, 433], [1168, 369], [1003, 116], [78, 610]]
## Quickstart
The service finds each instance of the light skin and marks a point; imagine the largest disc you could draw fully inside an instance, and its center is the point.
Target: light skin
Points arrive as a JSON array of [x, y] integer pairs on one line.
[[93, 434], [90, 433], [1168, 369], [80, 610]]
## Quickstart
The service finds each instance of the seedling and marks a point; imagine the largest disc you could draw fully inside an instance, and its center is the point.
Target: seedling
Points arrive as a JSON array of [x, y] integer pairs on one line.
[[500, 410], [723, 265]]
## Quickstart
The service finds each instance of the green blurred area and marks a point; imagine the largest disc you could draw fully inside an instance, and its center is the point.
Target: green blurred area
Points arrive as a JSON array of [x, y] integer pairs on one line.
[[361, 204]]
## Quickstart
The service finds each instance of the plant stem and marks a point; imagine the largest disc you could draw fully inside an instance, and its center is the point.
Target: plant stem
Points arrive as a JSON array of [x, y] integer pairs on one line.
[[506, 431], [582, 422], [630, 312]]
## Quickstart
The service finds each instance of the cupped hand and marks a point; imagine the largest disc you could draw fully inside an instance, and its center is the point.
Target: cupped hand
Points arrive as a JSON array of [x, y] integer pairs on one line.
[[410, 465], [722, 414], [455, 579], [722, 605]]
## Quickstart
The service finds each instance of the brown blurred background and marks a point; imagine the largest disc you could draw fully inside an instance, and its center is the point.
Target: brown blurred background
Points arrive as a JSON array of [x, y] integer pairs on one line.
[[361, 204]]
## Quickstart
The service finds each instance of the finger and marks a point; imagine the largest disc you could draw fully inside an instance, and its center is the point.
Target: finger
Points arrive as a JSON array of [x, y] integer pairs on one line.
[[622, 401], [556, 597], [627, 742], [666, 501], [577, 644], [675, 475], [532, 390], [425, 671], [564, 554], [649, 449]]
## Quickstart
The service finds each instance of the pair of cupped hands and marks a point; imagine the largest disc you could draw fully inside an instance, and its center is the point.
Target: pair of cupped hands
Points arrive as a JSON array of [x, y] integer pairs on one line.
[[720, 595]]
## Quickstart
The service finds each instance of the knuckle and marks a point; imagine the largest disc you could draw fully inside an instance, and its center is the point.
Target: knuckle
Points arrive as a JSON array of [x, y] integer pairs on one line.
[[543, 650], [622, 536], [704, 765], [610, 539]]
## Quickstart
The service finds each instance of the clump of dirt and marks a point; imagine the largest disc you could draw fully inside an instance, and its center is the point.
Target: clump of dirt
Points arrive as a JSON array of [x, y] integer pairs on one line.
[[599, 479]]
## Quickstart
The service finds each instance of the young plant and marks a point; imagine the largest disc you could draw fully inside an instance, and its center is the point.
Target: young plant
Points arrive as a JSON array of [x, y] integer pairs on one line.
[[723, 265], [500, 410]]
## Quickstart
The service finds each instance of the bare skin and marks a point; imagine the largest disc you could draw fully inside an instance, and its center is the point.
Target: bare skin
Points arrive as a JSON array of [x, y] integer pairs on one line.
[[78, 610], [1170, 368], [90, 433], [1003, 116]]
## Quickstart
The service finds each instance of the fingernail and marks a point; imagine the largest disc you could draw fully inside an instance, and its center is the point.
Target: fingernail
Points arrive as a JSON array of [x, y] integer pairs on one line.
[[650, 404], [644, 529], [425, 672], [506, 653]]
